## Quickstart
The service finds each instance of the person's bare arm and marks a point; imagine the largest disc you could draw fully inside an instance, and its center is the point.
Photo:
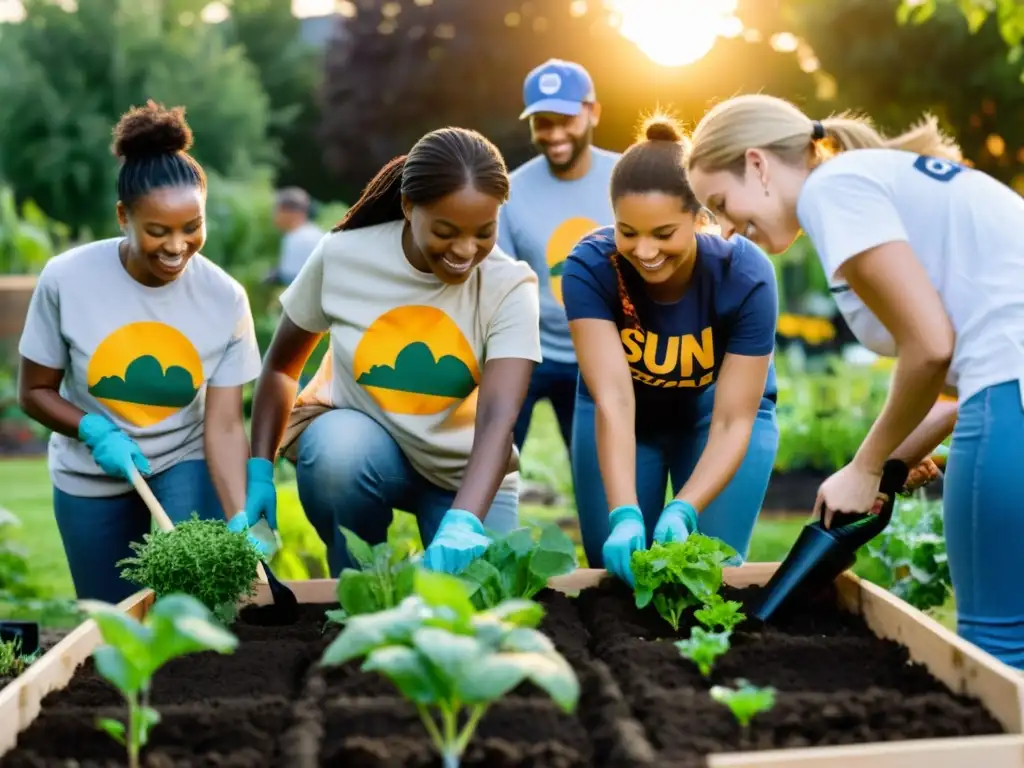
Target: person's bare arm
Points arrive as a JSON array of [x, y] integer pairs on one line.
[[226, 446], [895, 287], [738, 393], [278, 384], [935, 428], [502, 391], [604, 368], [39, 397]]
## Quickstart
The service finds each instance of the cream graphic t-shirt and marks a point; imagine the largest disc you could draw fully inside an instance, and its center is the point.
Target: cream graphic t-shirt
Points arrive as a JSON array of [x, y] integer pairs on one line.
[[406, 348]]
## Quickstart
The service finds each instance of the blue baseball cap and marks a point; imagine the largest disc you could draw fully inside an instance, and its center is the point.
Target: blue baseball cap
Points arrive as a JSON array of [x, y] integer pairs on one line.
[[557, 86]]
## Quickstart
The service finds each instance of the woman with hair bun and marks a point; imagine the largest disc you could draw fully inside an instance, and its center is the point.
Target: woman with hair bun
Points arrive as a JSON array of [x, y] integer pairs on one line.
[[674, 329], [148, 379], [926, 263]]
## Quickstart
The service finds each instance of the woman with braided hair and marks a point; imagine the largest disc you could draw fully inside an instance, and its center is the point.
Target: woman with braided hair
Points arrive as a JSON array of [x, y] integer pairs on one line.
[[674, 329]]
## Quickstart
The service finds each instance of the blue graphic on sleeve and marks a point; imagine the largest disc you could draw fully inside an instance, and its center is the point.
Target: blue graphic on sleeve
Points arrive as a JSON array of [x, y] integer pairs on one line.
[[937, 168]]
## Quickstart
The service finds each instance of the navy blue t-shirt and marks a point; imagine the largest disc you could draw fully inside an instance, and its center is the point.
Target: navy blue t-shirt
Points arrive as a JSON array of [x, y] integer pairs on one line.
[[730, 305]]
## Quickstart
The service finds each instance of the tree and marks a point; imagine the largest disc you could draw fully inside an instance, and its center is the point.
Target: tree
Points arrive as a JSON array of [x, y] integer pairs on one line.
[[1007, 14], [65, 78]]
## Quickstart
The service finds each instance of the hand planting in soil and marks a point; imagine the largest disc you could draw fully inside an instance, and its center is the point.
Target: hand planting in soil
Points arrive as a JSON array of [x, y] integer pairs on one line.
[[719, 612], [383, 579], [134, 651], [448, 658], [704, 647], [678, 575], [744, 702], [201, 558], [516, 566]]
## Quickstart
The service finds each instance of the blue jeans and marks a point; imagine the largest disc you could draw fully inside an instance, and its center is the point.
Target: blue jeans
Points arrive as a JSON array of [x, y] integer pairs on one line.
[[352, 473], [555, 382], [984, 521], [97, 531], [730, 517]]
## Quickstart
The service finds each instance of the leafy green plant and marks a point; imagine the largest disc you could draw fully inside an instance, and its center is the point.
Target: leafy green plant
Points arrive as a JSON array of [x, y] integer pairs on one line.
[[133, 651], [384, 577], [678, 575], [744, 702], [703, 648], [201, 558], [515, 565], [909, 557], [12, 661], [15, 583], [452, 661], [719, 612]]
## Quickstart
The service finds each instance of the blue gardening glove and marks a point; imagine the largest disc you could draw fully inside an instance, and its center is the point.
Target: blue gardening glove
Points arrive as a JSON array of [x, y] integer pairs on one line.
[[113, 450], [460, 539], [260, 493], [239, 523], [628, 535], [678, 520]]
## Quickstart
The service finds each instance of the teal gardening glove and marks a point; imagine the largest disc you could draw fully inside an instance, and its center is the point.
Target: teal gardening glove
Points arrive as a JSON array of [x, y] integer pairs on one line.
[[678, 520], [628, 536], [459, 540], [115, 452], [260, 503]]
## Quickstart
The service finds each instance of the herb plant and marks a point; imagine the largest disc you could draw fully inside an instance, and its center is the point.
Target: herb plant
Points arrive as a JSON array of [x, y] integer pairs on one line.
[[383, 579], [133, 651], [744, 702], [452, 661], [516, 566], [677, 575], [703, 648], [12, 661], [201, 558], [719, 612]]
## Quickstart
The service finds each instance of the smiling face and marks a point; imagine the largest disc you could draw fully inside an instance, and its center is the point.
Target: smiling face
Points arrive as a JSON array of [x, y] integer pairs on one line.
[[563, 139], [452, 235], [655, 234], [165, 229], [760, 204]]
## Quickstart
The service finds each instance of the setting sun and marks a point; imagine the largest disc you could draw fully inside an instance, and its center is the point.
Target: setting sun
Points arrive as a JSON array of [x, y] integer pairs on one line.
[[676, 32]]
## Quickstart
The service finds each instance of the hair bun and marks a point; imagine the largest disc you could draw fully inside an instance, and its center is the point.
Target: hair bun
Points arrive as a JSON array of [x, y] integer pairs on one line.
[[151, 130], [662, 128]]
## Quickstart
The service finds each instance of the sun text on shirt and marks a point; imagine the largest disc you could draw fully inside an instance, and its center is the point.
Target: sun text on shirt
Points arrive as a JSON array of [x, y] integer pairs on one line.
[[683, 361]]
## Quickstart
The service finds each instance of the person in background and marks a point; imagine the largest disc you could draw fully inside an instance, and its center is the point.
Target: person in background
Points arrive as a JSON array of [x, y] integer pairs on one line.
[[148, 379], [556, 198], [674, 329], [433, 336], [300, 234], [928, 259]]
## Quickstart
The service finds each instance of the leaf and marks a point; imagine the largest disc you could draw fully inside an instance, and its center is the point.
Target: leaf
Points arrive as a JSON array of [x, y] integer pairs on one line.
[[357, 548], [442, 590], [408, 671], [338, 616], [523, 640], [114, 728], [205, 635], [448, 652], [485, 584], [356, 593], [367, 631], [148, 718], [494, 676], [522, 613], [555, 554], [114, 667], [118, 629]]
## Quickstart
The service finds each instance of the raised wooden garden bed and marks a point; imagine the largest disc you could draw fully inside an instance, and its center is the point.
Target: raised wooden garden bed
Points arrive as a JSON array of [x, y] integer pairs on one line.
[[861, 678]]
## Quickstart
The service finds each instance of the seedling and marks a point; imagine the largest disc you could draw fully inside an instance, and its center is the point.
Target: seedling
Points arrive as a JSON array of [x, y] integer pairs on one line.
[[515, 566], [704, 647], [201, 558], [677, 575], [719, 612], [12, 661], [133, 651], [451, 661], [744, 702], [383, 579]]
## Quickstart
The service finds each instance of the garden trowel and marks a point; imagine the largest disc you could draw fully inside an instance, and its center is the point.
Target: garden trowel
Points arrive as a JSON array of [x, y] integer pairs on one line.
[[821, 554], [285, 608]]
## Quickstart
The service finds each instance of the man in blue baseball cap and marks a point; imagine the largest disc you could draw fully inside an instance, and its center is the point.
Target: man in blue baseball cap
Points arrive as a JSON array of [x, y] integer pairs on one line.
[[556, 198]]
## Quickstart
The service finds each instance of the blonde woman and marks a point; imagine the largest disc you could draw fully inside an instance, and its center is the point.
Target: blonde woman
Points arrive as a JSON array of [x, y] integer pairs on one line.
[[927, 265]]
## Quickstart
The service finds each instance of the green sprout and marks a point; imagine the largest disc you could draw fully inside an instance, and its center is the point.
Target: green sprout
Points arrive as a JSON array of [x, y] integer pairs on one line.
[[744, 702], [719, 612], [703, 648]]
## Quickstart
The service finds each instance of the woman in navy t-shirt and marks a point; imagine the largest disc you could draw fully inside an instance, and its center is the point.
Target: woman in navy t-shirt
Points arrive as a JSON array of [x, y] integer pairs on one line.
[[674, 331]]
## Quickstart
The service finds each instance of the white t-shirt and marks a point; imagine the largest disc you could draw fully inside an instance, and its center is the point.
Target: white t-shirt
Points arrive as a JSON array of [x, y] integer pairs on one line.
[[141, 356], [965, 228], [408, 349]]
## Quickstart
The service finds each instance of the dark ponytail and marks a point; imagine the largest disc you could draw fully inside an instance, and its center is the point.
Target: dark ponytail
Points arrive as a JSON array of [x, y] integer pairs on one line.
[[440, 163], [152, 144]]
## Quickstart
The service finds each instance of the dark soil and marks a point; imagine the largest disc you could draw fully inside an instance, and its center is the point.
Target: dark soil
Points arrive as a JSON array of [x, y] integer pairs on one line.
[[642, 704]]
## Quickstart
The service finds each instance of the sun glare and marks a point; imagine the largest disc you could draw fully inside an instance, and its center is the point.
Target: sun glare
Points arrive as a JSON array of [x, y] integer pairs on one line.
[[676, 32]]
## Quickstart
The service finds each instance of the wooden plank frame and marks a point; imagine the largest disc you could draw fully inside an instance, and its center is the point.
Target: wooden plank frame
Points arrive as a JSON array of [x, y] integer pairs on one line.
[[959, 665]]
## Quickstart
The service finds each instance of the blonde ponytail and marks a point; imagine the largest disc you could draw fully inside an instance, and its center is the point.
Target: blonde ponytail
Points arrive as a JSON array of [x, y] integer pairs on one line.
[[756, 121]]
